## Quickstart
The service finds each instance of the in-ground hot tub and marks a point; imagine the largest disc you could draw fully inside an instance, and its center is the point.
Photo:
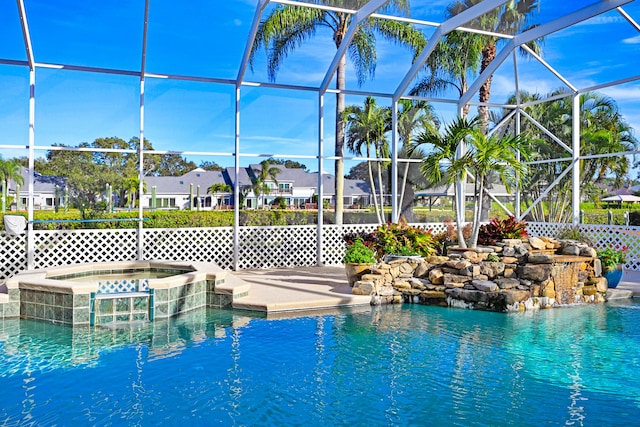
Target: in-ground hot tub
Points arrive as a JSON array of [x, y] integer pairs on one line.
[[106, 293]]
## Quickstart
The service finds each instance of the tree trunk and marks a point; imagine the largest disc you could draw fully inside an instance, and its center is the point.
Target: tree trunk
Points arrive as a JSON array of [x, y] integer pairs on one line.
[[406, 205], [381, 185], [373, 187], [459, 221], [479, 190], [404, 186], [488, 55], [340, 133], [486, 201]]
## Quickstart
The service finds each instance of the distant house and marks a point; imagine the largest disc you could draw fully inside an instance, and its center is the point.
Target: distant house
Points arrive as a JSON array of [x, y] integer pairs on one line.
[[175, 192], [430, 196], [298, 187], [48, 191]]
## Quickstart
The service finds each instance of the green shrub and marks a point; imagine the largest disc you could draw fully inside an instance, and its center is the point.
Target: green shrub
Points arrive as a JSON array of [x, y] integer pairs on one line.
[[612, 257], [403, 239], [358, 253], [279, 202]]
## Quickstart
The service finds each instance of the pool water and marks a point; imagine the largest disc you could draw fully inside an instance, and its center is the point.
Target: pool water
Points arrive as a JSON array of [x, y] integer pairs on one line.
[[391, 365]]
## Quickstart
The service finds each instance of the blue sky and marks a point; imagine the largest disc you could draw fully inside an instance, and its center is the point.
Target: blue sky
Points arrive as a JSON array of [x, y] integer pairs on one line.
[[207, 38]]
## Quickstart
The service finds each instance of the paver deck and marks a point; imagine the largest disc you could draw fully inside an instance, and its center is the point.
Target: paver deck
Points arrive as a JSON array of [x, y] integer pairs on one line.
[[303, 288]]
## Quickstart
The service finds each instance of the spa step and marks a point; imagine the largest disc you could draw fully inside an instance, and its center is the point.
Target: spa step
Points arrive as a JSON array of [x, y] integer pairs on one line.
[[233, 286], [114, 295]]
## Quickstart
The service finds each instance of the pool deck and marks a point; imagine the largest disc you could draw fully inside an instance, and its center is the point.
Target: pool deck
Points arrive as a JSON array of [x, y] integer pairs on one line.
[[302, 288], [310, 288]]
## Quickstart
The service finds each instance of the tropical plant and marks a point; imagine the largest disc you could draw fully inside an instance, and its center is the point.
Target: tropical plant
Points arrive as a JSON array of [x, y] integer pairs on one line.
[[453, 62], [509, 18], [412, 117], [10, 170], [132, 188], [501, 156], [604, 132], [369, 239], [574, 233], [367, 127], [288, 26], [400, 238], [261, 177], [443, 164], [612, 257], [358, 253], [499, 229], [449, 237], [483, 155], [219, 188]]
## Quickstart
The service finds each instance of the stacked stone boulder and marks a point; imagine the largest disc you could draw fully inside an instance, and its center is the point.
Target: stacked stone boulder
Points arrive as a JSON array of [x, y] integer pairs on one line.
[[513, 275]]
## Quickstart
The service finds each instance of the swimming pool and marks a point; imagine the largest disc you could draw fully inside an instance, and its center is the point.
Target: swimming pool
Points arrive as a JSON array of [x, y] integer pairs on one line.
[[388, 365]]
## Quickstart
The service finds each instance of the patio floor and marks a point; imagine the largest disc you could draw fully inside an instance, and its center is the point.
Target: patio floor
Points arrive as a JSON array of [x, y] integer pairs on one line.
[[302, 288], [311, 288]]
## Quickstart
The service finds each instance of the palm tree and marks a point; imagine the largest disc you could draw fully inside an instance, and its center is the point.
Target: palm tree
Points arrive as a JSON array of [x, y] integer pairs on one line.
[[10, 170], [367, 127], [603, 130], [453, 62], [412, 115], [510, 18], [218, 188], [443, 163], [493, 155], [132, 188], [287, 27], [260, 185]]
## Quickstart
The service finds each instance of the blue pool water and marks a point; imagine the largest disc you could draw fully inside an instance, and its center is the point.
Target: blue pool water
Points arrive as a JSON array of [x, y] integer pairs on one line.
[[392, 365]]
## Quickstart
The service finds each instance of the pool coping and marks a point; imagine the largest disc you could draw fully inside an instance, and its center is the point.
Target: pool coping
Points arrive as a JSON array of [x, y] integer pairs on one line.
[[40, 279]]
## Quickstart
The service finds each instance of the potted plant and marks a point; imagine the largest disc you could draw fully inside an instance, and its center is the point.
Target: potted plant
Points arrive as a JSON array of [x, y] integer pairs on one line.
[[358, 260], [613, 260]]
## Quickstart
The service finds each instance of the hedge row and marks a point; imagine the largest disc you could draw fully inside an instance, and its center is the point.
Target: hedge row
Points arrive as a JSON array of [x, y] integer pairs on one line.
[[73, 220]]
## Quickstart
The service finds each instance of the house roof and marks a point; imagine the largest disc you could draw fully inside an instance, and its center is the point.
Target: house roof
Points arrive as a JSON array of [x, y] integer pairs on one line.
[[301, 178], [41, 183], [181, 184]]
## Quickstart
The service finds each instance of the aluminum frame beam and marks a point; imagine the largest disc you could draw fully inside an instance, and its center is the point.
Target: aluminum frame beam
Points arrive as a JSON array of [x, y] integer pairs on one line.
[[539, 32]]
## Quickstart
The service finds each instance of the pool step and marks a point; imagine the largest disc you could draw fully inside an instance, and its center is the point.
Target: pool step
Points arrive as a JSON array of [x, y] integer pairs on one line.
[[231, 285]]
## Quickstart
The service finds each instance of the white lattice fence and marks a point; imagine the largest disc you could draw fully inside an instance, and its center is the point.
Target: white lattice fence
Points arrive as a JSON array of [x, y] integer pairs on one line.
[[260, 247], [333, 244], [213, 244], [273, 247], [13, 252], [62, 247], [547, 229], [601, 235]]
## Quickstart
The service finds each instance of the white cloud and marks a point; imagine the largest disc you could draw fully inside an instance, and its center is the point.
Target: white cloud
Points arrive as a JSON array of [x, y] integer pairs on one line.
[[632, 40], [622, 93]]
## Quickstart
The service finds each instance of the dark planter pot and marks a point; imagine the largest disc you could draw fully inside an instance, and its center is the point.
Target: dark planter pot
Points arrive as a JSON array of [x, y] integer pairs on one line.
[[614, 276]]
